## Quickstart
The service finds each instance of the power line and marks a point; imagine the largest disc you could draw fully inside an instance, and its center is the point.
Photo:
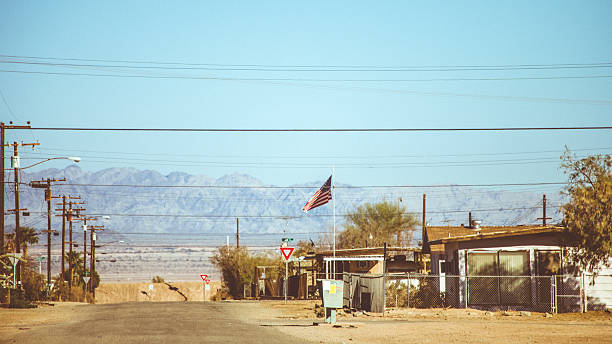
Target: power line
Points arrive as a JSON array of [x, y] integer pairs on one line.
[[421, 93], [308, 187], [192, 77], [319, 130], [317, 69], [294, 217], [315, 157], [298, 66]]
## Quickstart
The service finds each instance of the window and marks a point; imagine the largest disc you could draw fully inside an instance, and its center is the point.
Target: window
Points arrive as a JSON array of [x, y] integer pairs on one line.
[[499, 278]]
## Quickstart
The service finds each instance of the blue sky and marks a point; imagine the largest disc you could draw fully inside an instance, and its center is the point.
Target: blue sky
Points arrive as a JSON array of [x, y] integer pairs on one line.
[[322, 34]]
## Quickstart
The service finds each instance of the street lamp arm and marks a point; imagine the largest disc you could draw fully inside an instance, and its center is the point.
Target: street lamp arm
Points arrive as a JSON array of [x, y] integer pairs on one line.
[[73, 158]]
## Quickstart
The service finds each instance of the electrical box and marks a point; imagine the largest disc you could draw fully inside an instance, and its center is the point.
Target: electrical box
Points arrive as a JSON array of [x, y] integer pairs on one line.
[[333, 293]]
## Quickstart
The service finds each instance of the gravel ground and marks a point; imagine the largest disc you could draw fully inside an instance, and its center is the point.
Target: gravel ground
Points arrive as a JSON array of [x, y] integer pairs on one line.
[[275, 321]]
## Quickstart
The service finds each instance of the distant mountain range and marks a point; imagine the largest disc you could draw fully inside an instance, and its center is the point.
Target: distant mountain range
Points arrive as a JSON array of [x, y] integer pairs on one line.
[[145, 201]]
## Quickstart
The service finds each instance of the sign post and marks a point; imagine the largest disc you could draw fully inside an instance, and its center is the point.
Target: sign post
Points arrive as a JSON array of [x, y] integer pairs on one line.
[[204, 281], [14, 259], [86, 280], [286, 251]]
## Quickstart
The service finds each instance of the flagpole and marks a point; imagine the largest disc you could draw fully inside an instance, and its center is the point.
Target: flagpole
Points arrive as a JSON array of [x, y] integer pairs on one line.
[[334, 206]]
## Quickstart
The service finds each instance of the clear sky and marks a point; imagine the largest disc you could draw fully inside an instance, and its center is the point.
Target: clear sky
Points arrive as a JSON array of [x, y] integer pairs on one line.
[[231, 64]]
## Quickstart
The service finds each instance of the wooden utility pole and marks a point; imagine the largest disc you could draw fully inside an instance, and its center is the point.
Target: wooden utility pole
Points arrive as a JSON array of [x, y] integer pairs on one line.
[[92, 265], [63, 275], [2, 188], [71, 216], [424, 225], [544, 218], [64, 216], [237, 233], [3, 127], [15, 163], [46, 184]]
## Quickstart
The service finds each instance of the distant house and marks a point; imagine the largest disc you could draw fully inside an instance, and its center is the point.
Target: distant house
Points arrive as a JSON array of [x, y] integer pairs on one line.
[[368, 260], [499, 267], [362, 270]]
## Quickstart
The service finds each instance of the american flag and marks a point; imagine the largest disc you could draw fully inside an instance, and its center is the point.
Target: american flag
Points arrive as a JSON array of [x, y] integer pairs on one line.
[[322, 196]]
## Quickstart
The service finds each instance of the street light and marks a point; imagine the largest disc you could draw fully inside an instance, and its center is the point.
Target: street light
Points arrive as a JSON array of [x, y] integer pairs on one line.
[[15, 161], [109, 243], [76, 159], [106, 260]]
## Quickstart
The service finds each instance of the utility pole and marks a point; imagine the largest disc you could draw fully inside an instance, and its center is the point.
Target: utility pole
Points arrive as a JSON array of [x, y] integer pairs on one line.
[[46, 184], [71, 218], [63, 275], [237, 234], [2, 188], [15, 163], [424, 225], [544, 218], [85, 219], [92, 266], [64, 215], [3, 127]]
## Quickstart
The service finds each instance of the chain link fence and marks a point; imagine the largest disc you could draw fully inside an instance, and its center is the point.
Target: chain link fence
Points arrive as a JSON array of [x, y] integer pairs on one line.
[[554, 293], [535, 293]]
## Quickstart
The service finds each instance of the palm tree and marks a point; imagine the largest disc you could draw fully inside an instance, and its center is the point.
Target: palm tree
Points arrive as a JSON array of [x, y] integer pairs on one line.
[[28, 236], [10, 242], [76, 261]]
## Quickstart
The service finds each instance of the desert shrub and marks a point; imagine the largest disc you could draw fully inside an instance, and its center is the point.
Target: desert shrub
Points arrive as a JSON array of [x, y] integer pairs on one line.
[[427, 295], [222, 294], [237, 267], [397, 294], [157, 279], [34, 284], [18, 300], [62, 292]]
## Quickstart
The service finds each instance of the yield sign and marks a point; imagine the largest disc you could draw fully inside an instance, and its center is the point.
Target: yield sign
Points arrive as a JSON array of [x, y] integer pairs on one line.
[[204, 277], [86, 279], [287, 251]]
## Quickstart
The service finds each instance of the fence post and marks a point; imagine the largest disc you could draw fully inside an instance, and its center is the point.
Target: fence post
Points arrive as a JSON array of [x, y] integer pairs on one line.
[[553, 294], [465, 298], [409, 289], [583, 285]]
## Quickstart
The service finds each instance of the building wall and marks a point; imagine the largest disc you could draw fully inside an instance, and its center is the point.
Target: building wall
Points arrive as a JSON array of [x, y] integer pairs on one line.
[[599, 291]]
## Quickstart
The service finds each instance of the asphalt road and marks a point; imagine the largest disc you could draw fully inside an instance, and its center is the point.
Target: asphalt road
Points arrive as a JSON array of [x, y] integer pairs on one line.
[[160, 322]]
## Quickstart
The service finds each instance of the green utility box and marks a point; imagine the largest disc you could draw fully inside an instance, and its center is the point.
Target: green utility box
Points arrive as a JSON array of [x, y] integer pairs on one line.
[[332, 292]]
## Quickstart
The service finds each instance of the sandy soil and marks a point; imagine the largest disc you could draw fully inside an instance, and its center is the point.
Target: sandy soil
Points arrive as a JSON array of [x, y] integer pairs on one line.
[[296, 318], [155, 292], [438, 326], [13, 321]]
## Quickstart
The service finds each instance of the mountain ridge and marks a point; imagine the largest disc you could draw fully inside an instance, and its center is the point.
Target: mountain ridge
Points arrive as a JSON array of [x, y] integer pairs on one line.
[[181, 202]]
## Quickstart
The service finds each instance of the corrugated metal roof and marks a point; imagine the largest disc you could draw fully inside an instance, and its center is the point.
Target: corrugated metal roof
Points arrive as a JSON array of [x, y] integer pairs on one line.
[[365, 251], [441, 235]]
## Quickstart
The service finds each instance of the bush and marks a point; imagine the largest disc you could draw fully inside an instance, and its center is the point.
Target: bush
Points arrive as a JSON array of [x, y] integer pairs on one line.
[[427, 295], [62, 292], [158, 279], [397, 294], [34, 284], [18, 300], [237, 267], [222, 294]]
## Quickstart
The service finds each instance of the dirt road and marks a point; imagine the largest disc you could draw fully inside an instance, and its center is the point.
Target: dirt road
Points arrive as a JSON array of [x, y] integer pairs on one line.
[[276, 322], [144, 322]]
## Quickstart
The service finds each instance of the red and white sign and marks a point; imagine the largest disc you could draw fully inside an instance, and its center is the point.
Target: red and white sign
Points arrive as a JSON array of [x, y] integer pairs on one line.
[[204, 277], [287, 251], [207, 281]]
